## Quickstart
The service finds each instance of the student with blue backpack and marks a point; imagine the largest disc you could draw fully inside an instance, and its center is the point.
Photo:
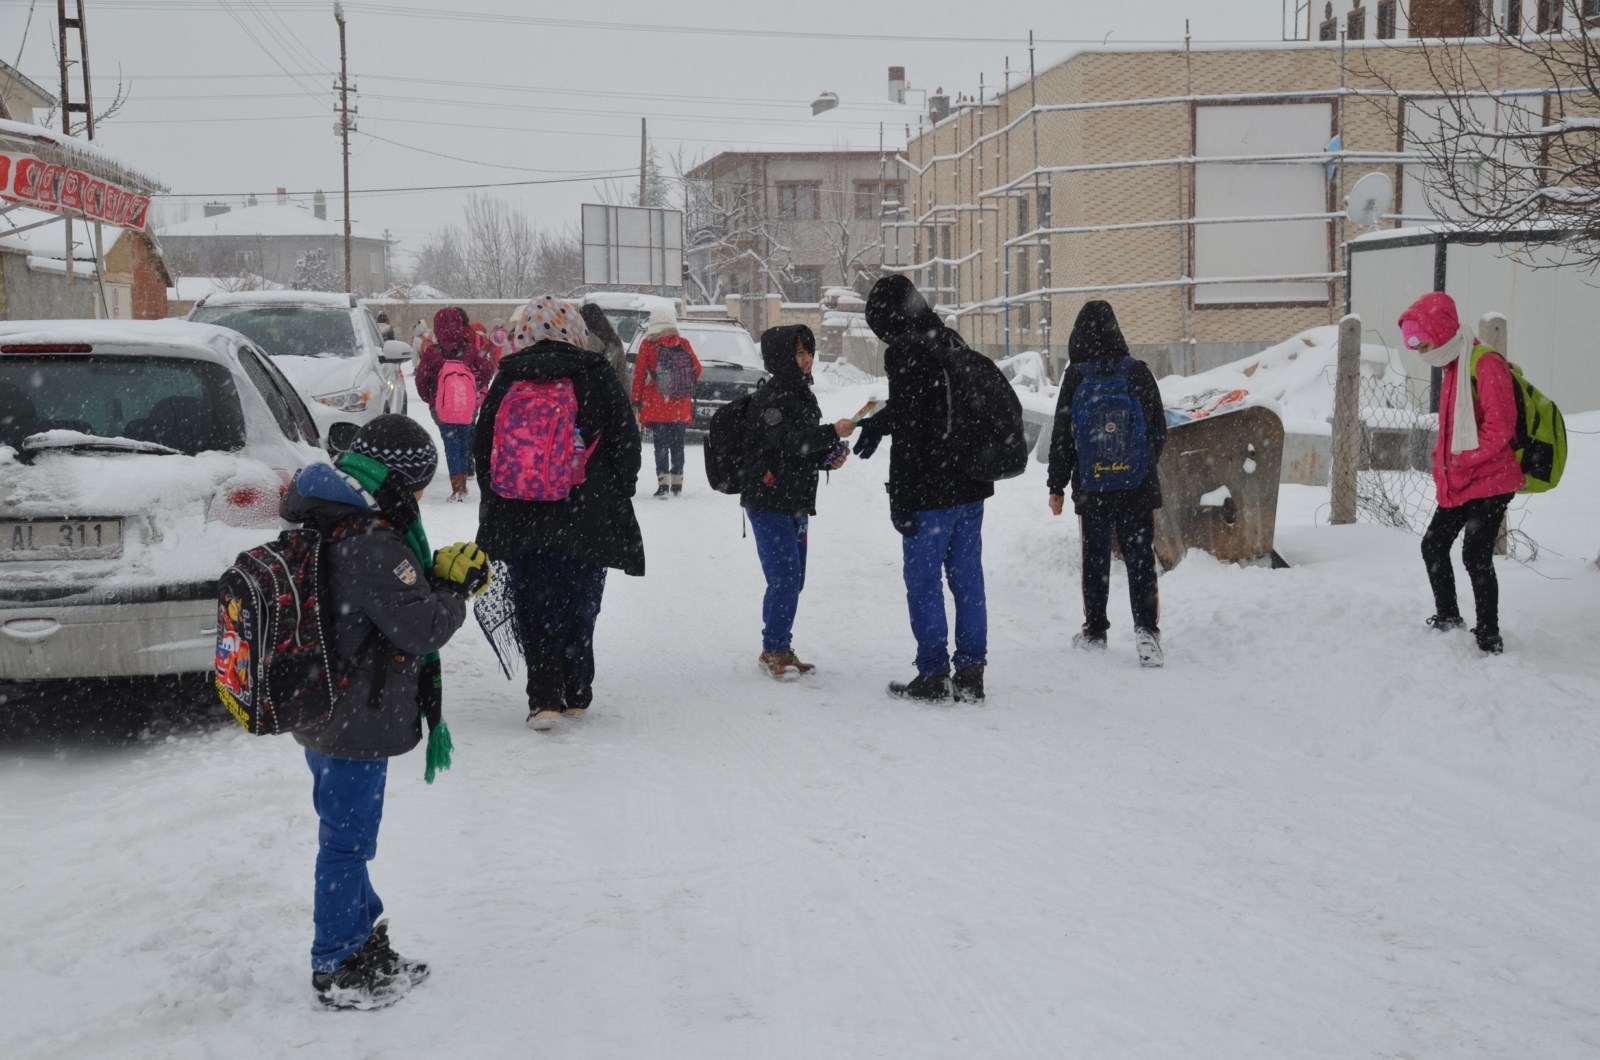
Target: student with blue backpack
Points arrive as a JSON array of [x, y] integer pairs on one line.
[[1109, 431], [557, 457]]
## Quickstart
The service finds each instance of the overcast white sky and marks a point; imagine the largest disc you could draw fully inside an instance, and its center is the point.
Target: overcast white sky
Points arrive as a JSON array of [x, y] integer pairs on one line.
[[235, 96]]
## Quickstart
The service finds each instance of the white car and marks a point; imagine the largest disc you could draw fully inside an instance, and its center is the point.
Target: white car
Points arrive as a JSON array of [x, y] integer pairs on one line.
[[137, 458], [327, 344]]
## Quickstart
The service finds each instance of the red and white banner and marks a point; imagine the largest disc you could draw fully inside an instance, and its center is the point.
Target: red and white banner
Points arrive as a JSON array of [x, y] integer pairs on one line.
[[62, 189]]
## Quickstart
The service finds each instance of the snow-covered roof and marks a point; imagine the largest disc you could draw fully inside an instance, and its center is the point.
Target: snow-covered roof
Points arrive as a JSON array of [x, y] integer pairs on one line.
[[628, 300], [12, 74], [201, 341], [194, 288], [49, 240], [281, 297], [269, 219], [58, 147]]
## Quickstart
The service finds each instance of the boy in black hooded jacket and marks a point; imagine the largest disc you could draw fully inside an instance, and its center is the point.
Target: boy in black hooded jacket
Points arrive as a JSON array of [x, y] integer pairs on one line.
[[786, 447]]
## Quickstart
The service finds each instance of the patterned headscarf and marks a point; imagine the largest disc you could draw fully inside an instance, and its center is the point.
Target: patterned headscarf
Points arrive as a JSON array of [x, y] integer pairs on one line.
[[548, 317]]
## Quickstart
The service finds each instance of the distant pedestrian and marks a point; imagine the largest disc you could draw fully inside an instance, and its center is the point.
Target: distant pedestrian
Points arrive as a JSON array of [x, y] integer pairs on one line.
[[558, 463], [385, 329], [603, 338], [393, 603], [1110, 428], [937, 511], [452, 378], [1475, 468], [499, 341], [787, 447], [664, 378]]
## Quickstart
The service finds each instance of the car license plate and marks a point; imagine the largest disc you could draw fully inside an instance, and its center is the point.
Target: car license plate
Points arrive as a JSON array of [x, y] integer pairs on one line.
[[22, 539]]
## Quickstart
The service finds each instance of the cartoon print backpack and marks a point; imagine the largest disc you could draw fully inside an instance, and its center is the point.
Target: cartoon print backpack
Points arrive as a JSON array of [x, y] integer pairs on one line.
[[1541, 441], [536, 453], [273, 669], [674, 371], [456, 398], [1108, 428]]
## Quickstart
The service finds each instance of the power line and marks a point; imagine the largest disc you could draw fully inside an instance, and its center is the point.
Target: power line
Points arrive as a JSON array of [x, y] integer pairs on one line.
[[406, 191]]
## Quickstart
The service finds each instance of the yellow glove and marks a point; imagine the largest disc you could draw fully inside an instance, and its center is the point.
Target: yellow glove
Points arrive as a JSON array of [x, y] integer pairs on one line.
[[463, 565]]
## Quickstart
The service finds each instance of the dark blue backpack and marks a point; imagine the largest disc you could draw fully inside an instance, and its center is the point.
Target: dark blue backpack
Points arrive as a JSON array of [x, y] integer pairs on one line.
[[1108, 428]]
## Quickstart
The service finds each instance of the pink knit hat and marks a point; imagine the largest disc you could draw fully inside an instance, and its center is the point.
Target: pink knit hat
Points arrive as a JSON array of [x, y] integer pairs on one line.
[[1431, 319]]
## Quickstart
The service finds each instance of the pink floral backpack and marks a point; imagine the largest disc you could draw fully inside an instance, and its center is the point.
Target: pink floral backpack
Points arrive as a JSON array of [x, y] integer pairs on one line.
[[536, 453]]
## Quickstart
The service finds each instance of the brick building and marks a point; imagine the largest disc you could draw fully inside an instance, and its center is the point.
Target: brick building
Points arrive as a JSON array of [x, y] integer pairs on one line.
[[1014, 217], [791, 223]]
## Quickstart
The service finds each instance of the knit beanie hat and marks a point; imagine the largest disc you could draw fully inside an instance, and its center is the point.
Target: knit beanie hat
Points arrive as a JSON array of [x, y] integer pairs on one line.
[[450, 328], [550, 318], [400, 444], [663, 321]]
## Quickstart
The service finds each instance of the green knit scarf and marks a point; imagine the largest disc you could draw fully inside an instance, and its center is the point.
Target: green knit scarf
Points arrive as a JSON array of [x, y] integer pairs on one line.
[[372, 475]]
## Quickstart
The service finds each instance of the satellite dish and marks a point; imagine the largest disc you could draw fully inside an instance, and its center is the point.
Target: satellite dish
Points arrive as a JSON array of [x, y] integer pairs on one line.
[[1369, 200], [825, 101]]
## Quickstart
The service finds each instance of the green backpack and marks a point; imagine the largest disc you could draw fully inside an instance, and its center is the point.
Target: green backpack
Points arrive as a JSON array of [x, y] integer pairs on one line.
[[1541, 442]]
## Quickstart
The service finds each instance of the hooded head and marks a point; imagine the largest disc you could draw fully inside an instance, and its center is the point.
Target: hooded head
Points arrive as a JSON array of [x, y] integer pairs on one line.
[[1096, 335], [778, 351], [548, 318], [1431, 321], [663, 321], [450, 329], [602, 336], [895, 309], [400, 444]]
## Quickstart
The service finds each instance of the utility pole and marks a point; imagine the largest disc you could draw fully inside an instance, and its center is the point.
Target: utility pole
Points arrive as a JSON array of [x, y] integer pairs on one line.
[[86, 108], [344, 126], [644, 150]]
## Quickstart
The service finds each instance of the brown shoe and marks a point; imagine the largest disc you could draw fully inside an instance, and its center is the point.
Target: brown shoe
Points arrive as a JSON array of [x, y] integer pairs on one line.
[[778, 665], [794, 660]]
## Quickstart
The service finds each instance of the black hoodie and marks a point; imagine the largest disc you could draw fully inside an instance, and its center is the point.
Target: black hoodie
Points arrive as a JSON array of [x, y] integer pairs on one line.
[[596, 523], [1096, 335], [922, 474], [785, 441]]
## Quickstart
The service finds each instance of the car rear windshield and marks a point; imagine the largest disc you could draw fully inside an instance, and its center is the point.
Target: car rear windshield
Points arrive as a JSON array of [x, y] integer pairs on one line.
[[190, 406], [288, 330], [723, 344]]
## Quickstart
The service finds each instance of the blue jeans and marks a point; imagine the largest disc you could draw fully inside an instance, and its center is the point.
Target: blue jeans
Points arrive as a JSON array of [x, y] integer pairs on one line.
[[348, 795], [457, 438], [948, 540], [558, 603], [781, 544], [668, 440]]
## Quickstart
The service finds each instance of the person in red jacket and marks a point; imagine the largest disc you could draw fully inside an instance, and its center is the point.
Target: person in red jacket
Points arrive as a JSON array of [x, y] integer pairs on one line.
[[1475, 468], [663, 394], [454, 340]]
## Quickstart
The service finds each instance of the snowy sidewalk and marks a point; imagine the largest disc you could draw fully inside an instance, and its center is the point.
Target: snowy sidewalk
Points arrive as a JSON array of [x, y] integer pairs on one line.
[[1320, 831]]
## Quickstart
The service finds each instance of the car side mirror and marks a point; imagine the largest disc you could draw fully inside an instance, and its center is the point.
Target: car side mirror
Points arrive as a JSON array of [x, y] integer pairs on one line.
[[396, 352], [340, 435]]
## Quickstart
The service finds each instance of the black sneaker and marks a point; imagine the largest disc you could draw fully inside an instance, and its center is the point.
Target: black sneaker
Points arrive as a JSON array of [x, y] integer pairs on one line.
[[1445, 623], [1083, 640], [929, 688], [1489, 641], [661, 491], [967, 685], [677, 491], [390, 962], [360, 983]]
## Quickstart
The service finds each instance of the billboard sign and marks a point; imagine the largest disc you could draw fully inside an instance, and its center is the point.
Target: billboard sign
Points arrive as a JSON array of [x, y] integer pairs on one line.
[[631, 246], [62, 189]]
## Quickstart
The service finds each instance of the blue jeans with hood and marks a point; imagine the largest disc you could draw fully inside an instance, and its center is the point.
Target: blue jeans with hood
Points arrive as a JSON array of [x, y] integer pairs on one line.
[[348, 796], [946, 544]]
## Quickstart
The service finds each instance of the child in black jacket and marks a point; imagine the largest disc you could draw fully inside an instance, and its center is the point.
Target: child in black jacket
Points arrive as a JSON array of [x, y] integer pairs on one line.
[[786, 448]]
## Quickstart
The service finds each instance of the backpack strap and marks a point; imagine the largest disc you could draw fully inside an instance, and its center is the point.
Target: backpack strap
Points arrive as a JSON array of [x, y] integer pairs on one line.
[[1479, 351]]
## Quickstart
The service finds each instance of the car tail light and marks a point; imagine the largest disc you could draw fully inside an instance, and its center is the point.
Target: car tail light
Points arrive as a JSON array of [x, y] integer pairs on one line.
[[248, 501], [47, 347]]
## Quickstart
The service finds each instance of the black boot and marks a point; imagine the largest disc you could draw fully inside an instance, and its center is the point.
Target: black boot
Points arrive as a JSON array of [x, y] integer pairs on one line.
[[360, 983], [929, 688], [390, 962], [1489, 641], [1445, 623], [967, 685]]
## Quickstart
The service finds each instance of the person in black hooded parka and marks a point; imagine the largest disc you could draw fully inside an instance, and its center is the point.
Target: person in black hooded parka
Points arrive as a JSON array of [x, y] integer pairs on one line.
[[786, 448], [1098, 351], [938, 511], [557, 552]]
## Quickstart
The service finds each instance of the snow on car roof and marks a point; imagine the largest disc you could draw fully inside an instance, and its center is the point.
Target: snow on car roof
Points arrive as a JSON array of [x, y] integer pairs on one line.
[[327, 298], [202, 341], [629, 300]]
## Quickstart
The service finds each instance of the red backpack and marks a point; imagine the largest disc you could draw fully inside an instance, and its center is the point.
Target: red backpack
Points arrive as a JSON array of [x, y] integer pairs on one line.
[[537, 453], [456, 397]]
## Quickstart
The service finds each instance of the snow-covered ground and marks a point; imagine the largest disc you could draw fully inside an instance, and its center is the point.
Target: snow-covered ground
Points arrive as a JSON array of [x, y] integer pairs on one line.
[[1321, 831]]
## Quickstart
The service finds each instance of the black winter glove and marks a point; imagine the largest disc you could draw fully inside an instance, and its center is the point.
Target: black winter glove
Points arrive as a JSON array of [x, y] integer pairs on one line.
[[871, 434], [905, 522]]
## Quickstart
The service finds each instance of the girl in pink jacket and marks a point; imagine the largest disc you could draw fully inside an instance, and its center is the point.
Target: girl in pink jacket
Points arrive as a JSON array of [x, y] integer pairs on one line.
[[1475, 469]]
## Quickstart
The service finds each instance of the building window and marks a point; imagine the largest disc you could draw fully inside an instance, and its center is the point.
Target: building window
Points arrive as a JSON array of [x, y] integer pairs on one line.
[[1022, 286], [1355, 25], [871, 195], [1329, 29], [1386, 20], [806, 285], [798, 202], [1589, 10], [1548, 18], [1023, 227]]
